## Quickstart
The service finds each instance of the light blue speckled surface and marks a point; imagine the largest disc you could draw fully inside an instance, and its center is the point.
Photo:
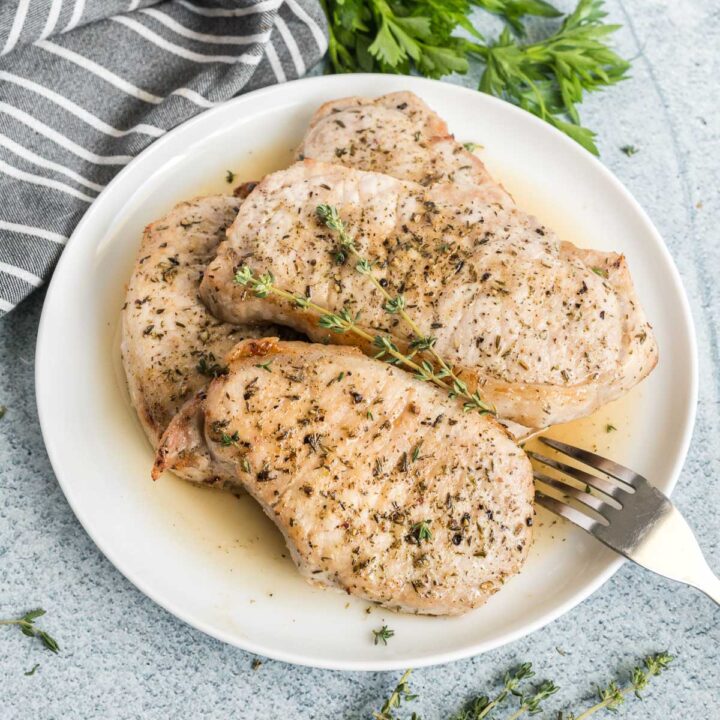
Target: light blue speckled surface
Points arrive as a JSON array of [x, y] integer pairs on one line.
[[124, 657]]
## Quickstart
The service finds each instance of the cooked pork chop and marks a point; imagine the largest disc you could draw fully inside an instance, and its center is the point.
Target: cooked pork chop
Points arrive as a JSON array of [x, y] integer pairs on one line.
[[382, 486], [399, 135], [549, 332], [171, 345]]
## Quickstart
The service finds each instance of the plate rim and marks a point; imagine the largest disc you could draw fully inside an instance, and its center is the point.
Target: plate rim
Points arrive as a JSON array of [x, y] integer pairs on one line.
[[73, 247]]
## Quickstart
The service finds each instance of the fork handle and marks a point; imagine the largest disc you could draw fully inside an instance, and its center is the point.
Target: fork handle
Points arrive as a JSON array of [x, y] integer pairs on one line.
[[671, 549], [709, 584]]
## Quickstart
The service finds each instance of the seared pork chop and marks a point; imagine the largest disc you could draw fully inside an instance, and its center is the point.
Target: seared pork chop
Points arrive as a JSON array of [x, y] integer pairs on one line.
[[382, 486], [547, 331], [399, 135], [171, 345]]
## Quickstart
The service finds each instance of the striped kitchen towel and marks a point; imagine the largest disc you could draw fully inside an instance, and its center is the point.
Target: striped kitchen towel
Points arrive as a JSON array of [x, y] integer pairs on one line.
[[85, 86]]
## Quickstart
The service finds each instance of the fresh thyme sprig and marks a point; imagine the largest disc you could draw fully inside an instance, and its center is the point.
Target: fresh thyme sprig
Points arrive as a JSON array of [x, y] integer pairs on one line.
[[609, 698], [27, 626], [480, 707], [344, 321], [612, 696], [396, 305], [383, 635], [530, 703], [400, 694]]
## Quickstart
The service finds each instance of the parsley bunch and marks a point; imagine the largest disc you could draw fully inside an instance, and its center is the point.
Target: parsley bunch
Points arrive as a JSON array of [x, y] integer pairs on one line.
[[434, 38]]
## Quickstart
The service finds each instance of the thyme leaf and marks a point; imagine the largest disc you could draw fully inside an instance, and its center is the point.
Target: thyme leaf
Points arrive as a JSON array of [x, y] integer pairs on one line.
[[383, 635], [27, 627]]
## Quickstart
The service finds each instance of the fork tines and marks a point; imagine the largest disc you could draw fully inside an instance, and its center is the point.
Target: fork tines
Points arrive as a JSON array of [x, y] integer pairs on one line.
[[612, 507]]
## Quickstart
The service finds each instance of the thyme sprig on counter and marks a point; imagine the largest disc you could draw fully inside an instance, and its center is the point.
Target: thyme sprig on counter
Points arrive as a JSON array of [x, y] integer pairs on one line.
[[400, 694], [396, 305], [27, 626], [530, 701], [344, 321], [481, 706], [612, 696]]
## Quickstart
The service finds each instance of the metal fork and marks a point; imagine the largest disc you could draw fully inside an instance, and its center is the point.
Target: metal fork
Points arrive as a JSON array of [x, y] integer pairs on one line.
[[627, 514]]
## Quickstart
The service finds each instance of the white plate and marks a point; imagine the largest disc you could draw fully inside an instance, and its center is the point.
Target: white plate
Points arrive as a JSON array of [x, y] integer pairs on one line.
[[215, 561]]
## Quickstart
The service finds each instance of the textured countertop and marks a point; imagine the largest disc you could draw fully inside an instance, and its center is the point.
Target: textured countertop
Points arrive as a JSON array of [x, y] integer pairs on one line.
[[124, 657]]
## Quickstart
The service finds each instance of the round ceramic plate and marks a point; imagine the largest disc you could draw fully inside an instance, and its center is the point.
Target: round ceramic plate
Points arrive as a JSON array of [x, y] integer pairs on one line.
[[214, 560]]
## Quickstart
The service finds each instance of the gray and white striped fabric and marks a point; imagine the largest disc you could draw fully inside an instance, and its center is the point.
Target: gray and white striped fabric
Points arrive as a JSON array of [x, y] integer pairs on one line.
[[85, 85]]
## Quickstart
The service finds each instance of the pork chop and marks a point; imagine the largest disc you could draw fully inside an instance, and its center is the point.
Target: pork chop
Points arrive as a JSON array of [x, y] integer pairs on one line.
[[399, 135], [547, 331], [382, 486], [171, 345]]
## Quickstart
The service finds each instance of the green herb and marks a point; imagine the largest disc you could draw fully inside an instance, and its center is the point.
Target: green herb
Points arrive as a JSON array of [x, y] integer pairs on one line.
[[602, 272], [209, 367], [265, 366], [610, 428], [395, 305], [229, 176], [512, 11], [245, 464], [612, 696], [629, 150], [3, 410], [471, 146], [27, 626], [548, 77], [530, 701], [344, 321], [383, 635], [421, 531], [400, 694], [416, 451], [482, 706], [228, 440], [32, 670]]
